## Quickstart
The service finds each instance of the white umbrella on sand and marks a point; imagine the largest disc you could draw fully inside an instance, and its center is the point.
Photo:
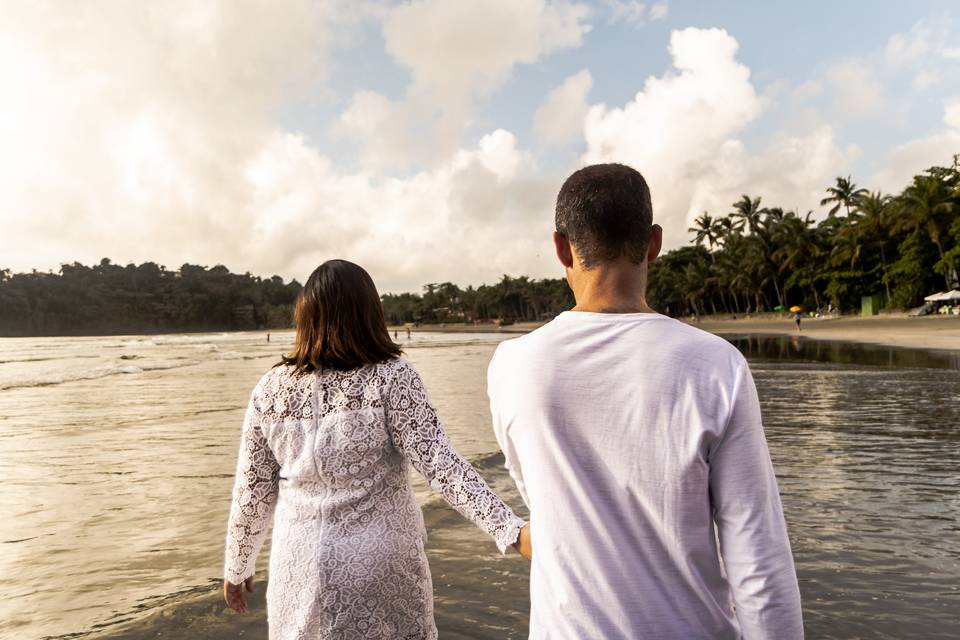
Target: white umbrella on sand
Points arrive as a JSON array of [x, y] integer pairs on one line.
[[949, 295], [936, 297]]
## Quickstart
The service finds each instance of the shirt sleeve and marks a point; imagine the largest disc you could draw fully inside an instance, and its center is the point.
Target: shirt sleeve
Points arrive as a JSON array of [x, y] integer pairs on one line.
[[254, 496], [750, 523], [417, 433], [511, 460]]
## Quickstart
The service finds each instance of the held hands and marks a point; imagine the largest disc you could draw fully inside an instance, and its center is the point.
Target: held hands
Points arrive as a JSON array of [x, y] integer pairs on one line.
[[524, 545], [233, 594]]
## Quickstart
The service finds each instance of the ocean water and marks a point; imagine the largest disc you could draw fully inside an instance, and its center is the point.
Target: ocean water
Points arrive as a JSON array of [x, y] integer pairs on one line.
[[117, 455]]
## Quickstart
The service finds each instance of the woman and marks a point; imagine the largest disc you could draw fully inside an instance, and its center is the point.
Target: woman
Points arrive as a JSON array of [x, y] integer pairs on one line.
[[324, 450]]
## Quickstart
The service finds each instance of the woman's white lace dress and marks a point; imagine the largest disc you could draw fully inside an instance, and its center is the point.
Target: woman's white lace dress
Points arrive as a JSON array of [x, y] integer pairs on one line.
[[325, 456]]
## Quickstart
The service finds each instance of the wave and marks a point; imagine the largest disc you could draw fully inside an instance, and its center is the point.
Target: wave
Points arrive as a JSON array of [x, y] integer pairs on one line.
[[47, 359], [450, 343], [94, 374]]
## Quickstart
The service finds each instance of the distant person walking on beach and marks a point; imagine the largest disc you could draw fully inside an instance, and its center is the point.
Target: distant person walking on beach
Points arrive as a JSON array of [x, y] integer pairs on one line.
[[633, 438], [797, 318], [324, 454]]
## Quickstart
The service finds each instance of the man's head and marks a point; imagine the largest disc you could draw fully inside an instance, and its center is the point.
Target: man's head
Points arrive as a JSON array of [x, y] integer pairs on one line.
[[604, 217]]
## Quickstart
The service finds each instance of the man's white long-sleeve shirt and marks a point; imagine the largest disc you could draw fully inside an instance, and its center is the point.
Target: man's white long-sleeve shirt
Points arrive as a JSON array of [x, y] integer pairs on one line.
[[636, 441]]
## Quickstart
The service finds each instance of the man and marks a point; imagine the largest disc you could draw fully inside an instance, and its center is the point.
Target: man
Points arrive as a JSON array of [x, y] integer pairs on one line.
[[636, 442]]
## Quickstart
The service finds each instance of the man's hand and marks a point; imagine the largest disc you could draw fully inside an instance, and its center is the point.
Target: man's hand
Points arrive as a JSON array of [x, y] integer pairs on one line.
[[233, 594], [523, 544]]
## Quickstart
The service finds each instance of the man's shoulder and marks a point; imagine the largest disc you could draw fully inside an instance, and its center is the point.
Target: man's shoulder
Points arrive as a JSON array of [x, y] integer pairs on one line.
[[514, 347], [705, 342]]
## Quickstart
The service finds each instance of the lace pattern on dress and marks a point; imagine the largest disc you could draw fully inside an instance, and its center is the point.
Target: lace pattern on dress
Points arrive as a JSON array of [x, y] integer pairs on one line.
[[326, 454]]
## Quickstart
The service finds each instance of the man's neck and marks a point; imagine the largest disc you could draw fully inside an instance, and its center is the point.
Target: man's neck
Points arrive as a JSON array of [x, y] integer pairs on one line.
[[612, 290]]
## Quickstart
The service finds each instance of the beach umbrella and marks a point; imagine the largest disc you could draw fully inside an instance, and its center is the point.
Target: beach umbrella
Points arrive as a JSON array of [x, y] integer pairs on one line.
[[795, 308], [950, 295], [934, 297]]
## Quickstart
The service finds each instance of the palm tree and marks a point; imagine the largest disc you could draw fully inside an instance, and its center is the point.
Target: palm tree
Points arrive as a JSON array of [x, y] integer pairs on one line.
[[921, 206], [706, 228], [845, 194], [876, 210], [747, 212]]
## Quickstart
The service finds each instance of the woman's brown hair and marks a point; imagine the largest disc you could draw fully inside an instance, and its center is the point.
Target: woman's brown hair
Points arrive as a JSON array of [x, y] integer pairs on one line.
[[339, 320]]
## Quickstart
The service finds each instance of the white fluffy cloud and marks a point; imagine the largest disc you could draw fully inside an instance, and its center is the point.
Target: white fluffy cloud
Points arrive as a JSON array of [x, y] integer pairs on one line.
[[682, 132], [467, 220], [122, 127], [456, 53], [559, 120]]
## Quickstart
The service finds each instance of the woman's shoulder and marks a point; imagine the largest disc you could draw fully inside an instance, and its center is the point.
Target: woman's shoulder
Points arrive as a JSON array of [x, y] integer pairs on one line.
[[280, 378], [283, 389]]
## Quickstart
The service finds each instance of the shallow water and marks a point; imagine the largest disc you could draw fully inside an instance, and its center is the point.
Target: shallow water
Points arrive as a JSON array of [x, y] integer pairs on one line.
[[117, 457]]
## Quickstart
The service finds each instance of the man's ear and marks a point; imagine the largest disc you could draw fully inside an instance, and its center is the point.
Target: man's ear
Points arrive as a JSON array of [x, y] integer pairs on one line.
[[564, 252], [655, 244]]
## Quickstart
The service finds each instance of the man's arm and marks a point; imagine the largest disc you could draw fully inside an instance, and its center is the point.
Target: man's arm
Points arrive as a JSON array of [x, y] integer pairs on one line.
[[750, 524]]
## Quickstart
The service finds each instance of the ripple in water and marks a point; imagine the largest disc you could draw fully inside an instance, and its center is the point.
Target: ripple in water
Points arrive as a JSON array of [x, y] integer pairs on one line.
[[117, 488]]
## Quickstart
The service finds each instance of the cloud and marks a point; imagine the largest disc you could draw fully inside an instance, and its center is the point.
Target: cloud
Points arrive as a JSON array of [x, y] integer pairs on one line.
[[681, 131], [472, 218], [916, 45], [907, 160], [559, 120], [856, 91], [674, 128], [659, 11], [173, 150], [925, 79], [635, 12], [123, 133], [951, 113], [458, 53]]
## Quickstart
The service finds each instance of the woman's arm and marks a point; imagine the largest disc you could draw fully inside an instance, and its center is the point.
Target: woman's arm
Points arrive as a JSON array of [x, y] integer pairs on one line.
[[416, 431], [254, 497]]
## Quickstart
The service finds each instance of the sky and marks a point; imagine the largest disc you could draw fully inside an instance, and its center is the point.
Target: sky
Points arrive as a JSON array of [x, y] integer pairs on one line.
[[427, 140]]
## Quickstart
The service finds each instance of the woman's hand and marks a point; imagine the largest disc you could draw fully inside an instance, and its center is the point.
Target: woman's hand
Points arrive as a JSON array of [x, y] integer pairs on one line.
[[233, 594], [523, 544]]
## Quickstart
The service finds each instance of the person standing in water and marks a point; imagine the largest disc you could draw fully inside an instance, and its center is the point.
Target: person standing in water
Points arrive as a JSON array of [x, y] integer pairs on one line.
[[637, 442], [326, 443]]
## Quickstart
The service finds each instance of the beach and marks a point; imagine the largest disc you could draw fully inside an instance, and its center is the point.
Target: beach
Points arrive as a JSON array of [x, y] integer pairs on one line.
[[927, 332], [892, 330]]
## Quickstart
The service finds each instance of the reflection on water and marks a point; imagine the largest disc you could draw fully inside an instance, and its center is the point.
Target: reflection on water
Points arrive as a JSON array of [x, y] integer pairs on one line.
[[866, 443], [117, 457]]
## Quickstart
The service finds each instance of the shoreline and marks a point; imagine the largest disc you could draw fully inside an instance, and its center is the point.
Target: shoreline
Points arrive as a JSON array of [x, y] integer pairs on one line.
[[940, 333]]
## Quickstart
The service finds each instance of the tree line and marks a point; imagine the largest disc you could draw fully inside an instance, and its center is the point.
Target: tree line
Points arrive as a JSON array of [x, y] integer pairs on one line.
[[147, 298], [512, 299], [754, 258]]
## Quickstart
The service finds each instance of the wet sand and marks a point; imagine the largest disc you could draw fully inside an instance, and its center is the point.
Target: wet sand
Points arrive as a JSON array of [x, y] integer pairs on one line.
[[929, 332], [893, 330]]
